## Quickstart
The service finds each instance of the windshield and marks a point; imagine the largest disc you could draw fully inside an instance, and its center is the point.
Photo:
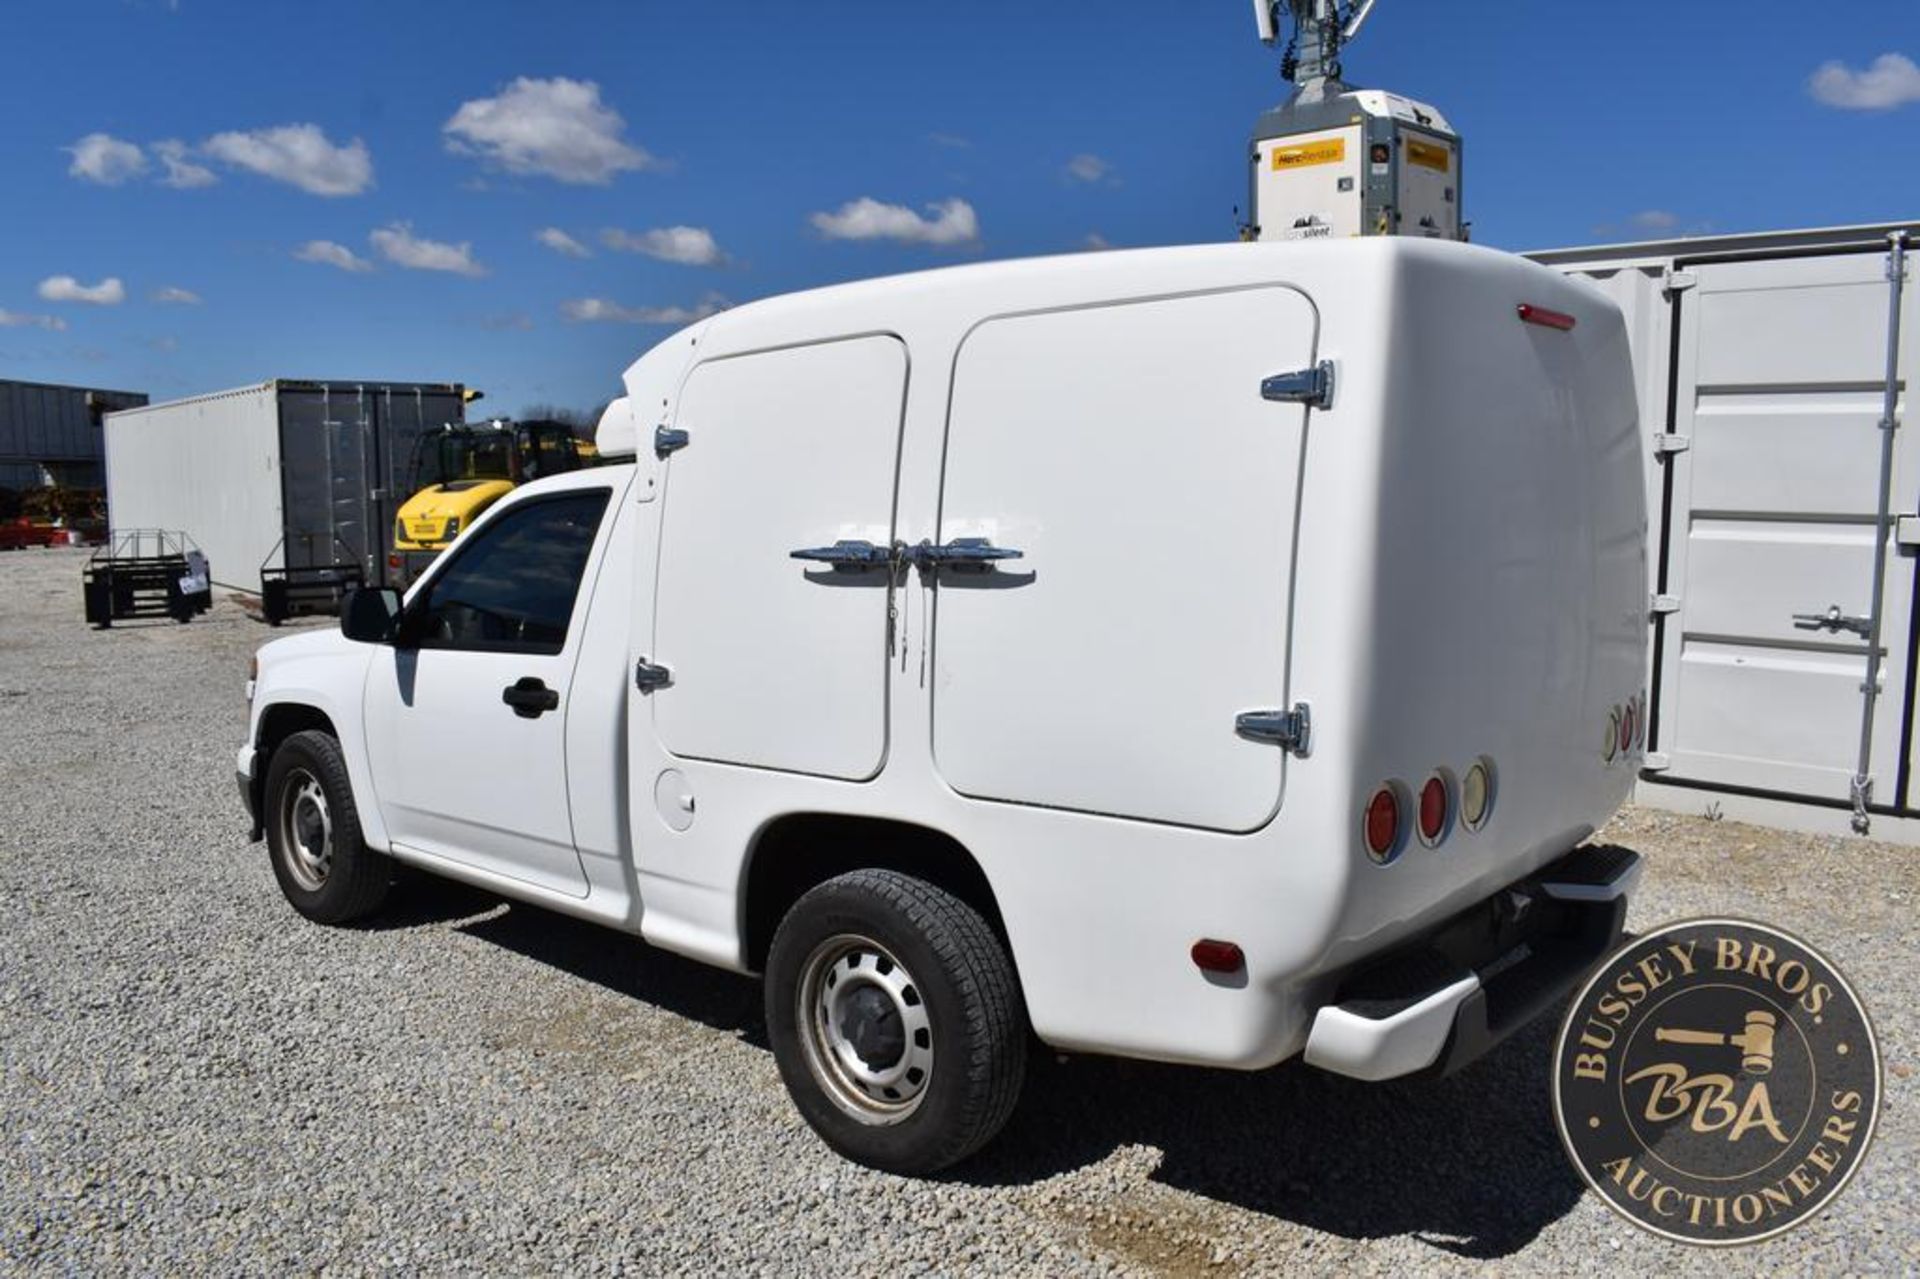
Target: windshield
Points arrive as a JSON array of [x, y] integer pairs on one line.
[[463, 455]]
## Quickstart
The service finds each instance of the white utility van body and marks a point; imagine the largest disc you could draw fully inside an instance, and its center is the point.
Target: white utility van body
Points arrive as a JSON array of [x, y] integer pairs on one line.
[[1321, 656]]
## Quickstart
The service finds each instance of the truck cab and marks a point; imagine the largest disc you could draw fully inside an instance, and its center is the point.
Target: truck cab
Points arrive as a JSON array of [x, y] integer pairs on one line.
[[1215, 655]]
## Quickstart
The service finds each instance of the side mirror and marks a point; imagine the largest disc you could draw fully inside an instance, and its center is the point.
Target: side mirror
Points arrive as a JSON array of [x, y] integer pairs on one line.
[[371, 616]]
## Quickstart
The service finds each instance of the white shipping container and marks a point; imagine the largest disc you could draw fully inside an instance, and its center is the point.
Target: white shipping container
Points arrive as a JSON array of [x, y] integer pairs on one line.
[[1763, 365]]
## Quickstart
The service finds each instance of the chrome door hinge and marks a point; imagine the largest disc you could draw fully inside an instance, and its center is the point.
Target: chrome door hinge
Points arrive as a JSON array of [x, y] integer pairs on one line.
[[1679, 282], [1312, 387], [1664, 604], [648, 676], [1669, 443], [1292, 730], [668, 440]]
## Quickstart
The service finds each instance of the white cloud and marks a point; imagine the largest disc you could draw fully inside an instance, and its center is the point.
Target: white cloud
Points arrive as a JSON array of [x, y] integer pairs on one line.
[[1095, 243], [1087, 167], [185, 297], [687, 245], [560, 242], [181, 172], [510, 321], [556, 127], [583, 310], [297, 154], [103, 158], [331, 254], [1654, 220], [398, 244], [1893, 80], [64, 288], [20, 320], [952, 222], [951, 141]]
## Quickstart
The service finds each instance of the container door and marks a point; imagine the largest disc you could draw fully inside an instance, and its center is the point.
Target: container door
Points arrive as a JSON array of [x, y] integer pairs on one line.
[[1771, 533], [1127, 453], [779, 662]]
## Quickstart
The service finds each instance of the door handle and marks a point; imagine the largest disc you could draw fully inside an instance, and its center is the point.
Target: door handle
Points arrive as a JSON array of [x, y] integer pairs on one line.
[[1834, 620], [975, 554], [847, 556], [530, 698]]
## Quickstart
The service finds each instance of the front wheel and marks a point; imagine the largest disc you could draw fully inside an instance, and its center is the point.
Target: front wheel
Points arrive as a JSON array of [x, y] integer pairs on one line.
[[313, 833], [896, 1021]]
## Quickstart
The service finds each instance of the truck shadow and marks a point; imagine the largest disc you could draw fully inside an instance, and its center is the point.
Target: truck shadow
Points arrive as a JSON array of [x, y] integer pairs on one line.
[[1471, 1165]]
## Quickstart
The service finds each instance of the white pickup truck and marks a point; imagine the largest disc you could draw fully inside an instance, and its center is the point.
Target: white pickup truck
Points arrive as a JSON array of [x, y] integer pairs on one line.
[[1212, 654]]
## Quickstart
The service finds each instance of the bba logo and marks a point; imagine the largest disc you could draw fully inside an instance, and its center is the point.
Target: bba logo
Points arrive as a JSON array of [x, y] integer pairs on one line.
[[1716, 1082]]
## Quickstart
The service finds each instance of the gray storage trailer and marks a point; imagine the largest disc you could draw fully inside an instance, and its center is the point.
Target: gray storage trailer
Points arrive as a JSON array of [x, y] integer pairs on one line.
[[51, 434], [289, 488]]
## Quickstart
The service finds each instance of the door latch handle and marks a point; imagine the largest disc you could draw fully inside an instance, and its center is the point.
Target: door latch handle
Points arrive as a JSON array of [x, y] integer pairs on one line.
[[1834, 620], [530, 697], [968, 554], [847, 556]]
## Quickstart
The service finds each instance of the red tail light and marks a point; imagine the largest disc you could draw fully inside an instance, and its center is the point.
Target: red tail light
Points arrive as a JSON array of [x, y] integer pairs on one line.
[[1382, 824], [1433, 810]]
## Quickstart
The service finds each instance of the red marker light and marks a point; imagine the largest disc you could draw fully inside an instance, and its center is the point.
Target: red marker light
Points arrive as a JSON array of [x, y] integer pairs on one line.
[[1211, 956], [1381, 824], [1433, 810], [1547, 319]]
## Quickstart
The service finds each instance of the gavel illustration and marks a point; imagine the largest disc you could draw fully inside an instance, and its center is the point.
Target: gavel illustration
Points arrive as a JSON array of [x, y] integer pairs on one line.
[[1756, 1041]]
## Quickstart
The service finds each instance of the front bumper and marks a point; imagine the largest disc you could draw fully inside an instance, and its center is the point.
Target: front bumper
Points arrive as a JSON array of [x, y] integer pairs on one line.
[[248, 777], [1449, 998]]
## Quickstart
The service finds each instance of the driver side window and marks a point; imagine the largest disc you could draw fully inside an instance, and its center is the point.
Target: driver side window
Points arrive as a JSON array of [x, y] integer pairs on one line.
[[512, 586]]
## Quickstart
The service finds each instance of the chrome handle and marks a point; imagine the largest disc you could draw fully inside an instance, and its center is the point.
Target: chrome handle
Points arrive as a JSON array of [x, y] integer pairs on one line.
[[847, 556], [977, 554], [1834, 620]]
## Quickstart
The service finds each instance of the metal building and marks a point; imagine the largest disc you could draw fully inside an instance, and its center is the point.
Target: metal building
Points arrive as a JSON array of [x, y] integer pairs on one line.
[[1785, 509], [282, 475], [50, 435]]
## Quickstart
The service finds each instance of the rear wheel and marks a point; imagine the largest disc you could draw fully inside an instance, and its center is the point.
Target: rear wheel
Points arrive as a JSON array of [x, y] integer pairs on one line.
[[313, 834], [896, 1021]]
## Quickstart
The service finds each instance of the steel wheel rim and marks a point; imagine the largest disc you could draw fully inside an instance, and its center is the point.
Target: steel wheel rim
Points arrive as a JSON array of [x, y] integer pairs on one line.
[[306, 830], [855, 996]]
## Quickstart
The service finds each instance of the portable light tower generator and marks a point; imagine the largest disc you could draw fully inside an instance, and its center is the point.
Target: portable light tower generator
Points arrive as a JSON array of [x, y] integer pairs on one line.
[[1335, 161]]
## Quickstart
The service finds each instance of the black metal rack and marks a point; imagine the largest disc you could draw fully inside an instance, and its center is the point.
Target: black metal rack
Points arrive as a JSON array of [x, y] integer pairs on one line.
[[316, 588], [146, 572]]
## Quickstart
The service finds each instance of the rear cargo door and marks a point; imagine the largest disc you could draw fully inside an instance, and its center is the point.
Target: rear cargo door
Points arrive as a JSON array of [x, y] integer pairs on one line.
[[776, 662], [1771, 529], [1126, 451]]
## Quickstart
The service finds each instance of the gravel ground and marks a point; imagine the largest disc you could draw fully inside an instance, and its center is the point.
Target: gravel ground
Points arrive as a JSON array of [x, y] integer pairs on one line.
[[192, 1078]]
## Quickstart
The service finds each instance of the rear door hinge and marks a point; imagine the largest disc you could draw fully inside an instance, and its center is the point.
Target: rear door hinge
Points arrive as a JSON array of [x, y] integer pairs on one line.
[[668, 440], [1292, 730], [1669, 443], [1312, 387], [648, 676], [1680, 282], [1664, 604]]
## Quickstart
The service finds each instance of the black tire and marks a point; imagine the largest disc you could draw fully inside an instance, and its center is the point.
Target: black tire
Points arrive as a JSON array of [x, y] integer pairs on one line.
[[952, 1001], [313, 834]]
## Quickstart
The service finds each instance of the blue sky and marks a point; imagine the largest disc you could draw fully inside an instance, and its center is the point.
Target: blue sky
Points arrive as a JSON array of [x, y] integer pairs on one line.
[[356, 190]]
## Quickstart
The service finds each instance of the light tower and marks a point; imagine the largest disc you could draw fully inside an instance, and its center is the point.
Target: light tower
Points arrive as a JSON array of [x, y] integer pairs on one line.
[[1334, 161]]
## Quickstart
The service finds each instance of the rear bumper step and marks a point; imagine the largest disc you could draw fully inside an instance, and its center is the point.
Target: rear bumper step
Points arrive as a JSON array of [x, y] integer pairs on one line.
[[1444, 1001]]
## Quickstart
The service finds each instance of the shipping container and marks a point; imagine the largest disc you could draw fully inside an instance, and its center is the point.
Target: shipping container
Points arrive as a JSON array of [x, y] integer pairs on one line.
[[50, 435], [285, 475], [1772, 371]]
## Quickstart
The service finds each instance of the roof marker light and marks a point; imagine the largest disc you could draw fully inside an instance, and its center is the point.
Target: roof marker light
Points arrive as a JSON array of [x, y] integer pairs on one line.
[[1211, 956], [1547, 319]]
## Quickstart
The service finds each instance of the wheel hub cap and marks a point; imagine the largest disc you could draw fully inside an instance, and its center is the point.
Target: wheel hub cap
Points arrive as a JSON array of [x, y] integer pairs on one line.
[[865, 1029]]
